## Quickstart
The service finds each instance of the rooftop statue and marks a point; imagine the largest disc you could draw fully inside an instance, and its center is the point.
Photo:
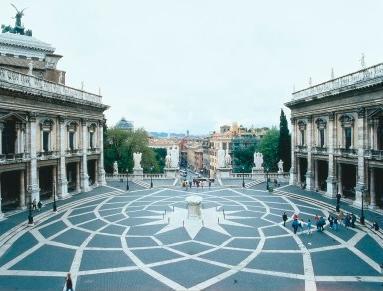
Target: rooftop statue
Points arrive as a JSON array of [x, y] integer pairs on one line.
[[19, 28]]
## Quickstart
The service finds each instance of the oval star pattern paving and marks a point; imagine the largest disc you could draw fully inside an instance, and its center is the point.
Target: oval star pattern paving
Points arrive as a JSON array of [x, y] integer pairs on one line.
[[142, 240]]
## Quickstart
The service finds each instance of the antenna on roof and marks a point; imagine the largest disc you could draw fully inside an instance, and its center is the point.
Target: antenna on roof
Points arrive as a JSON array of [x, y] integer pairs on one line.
[[310, 82], [332, 74], [82, 85]]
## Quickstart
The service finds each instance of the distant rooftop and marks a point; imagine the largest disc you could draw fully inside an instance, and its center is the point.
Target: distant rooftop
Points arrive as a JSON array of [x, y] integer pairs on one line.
[[125, 124]]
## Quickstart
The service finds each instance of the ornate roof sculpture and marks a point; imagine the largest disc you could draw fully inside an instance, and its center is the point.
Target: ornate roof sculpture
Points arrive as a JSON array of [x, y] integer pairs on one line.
[[125, 124], [18, 28]]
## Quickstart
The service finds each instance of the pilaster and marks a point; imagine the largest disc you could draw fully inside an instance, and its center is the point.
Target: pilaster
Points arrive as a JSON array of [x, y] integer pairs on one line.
[[292, 178], [84, 169], [101, 170], [309, 173], [331, 178], [360, 185], [62, 179], [33, 188]]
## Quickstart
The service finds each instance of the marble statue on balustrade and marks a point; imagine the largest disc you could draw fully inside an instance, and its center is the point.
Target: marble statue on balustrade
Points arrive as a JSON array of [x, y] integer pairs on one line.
[[227, 159], [115, 168], [280, 167], [221, 158], [175, 157], [258, 161], [137, 160], [168, 159]]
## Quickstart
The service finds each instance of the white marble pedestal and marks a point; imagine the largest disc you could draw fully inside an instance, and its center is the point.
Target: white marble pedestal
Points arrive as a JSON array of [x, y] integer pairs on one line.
[[138, 173], [171, 173], [194, 204]]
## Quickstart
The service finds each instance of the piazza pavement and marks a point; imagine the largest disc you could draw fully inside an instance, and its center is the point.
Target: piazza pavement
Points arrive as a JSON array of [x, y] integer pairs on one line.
[[111, 239]]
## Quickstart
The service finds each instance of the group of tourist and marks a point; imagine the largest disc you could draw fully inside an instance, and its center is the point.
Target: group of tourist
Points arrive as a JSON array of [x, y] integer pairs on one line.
[[334, 221], [195, 183]]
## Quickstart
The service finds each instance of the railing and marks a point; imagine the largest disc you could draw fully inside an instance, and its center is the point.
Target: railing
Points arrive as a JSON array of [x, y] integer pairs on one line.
[[72, 152], [368, 76], [301, 148], [320, 150], [240, 175], [346, 152], [132, 176], [93, 150], [33, 84], [47, 155], [12, 158], [375, 154]]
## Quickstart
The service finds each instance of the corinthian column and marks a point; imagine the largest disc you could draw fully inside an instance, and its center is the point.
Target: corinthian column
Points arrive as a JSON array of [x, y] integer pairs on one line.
[[84, 169], [360, 184], [101, 171], [309, 173], [33, 188], [62, 180], [331, 178]]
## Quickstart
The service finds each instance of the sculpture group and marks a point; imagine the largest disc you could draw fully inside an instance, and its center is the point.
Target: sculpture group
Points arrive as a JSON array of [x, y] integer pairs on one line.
[[223, 159], [258, 161]]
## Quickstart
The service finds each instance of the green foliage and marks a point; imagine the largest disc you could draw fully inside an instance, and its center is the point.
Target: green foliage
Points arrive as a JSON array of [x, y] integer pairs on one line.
[[119, 145], [269, 148], [284, 147], [160, 155], [243, 152]]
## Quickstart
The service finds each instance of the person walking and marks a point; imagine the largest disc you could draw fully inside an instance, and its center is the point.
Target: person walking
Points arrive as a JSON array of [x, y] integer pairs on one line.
[[295, 225], [353, 220], [375, 226], [34, 204], [284, 218], [39, 205], [309, 231], [336, 224], [341, 217], [330, 220], [209, 184], [68, 283]]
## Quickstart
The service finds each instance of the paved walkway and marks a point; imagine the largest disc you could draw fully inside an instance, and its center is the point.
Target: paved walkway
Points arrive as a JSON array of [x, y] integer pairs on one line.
[[142, 239]]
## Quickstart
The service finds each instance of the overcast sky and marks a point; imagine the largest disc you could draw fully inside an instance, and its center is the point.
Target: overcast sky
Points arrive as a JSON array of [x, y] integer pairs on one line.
[[173, 65]]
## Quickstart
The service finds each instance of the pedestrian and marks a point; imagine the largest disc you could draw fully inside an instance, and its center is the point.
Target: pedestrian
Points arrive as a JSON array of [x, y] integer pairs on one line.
[[330, 220], [375, 226], [347, 221], [68, 283], [309, 232], [336, 224], [353, 220], [202, 184], [39, 205], [34, 204], [341, 217], [295, 224], [209, 184], [301, 223], [284, 218], [295, 216]]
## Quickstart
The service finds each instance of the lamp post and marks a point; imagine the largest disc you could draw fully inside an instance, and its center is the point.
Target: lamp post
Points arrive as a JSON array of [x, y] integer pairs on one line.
[[30, 216], [243, 177], [127, 179], [338, 196], [151, 177], [54, 197], [267, 178], [362, 210]]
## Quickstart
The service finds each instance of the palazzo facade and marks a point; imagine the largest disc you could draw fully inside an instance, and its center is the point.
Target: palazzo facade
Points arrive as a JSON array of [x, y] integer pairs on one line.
[[337, 137], [51, 135]]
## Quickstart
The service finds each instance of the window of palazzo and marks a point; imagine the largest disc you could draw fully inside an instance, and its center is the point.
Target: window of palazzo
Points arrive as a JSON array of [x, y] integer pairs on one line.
[[72, 142], [347, 123], [46, 130]]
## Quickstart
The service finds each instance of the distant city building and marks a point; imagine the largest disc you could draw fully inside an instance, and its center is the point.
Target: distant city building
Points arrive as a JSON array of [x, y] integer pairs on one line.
[[51, 135], [337, 137], [124, 124], [224, 140]]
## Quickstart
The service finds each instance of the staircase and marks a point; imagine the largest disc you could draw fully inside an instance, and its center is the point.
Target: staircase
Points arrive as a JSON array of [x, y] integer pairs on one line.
[[253, 183], [141, 183]]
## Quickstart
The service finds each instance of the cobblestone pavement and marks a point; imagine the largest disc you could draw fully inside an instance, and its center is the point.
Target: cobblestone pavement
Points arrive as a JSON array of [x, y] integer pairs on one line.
[[142, 240]]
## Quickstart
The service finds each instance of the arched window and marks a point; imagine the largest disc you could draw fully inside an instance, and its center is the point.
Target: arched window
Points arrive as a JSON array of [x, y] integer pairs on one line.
[[347, 123], [72, 140], [92, 134], [302, 129], [321, 127], [46, 126]]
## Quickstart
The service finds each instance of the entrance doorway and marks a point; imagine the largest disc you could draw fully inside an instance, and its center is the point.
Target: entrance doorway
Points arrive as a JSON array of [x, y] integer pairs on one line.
[[92, 171], [379, 187], [10, 190], [303, 169], [46, 182], [322, 175], [71, 176], [349, 180]]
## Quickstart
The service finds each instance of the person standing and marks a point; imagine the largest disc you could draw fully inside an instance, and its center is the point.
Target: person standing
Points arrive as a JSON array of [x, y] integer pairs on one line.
[[335, 223], [295, 225], [69, 283], [284, 218], [34, 204]]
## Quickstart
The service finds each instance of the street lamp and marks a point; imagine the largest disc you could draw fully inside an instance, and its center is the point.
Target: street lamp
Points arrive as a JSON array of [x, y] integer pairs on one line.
[[127, 179], [362, 210], [54, 197], [243, 177], [338, 196], [30, 216], [151, 177], [267, 178]]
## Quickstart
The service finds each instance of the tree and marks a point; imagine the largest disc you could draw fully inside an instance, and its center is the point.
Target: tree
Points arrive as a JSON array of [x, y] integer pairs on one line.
[[284, 147], [243, 149], [119, 145], [269, 148]]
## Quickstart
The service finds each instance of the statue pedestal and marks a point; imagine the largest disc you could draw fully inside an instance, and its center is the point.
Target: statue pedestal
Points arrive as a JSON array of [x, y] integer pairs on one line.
[[171, 173], [138, 173], [194, 206], [223, 172]]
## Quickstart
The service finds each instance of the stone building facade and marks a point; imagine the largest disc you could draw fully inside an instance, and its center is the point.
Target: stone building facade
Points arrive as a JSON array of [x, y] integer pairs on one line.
[[337, 137], [51, 135]]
